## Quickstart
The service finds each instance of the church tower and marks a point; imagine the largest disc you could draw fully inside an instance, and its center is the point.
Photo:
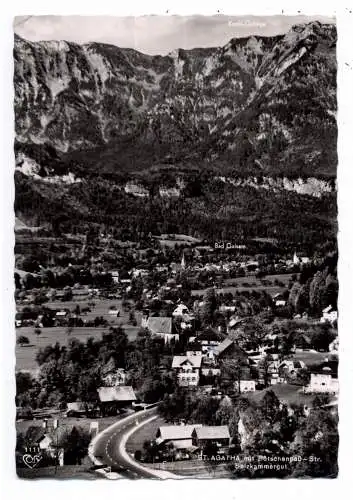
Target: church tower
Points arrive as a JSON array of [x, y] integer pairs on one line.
[[183, 262]]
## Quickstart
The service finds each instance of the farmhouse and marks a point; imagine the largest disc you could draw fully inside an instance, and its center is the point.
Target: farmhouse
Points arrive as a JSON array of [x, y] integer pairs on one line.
[[113, 398], [113, 377], [179, 435], [209, 367], [114, 312], [216, 435], [19, 319]]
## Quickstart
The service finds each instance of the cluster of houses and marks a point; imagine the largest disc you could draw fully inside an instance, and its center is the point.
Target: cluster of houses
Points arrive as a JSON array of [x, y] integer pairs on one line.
[[208, 350]]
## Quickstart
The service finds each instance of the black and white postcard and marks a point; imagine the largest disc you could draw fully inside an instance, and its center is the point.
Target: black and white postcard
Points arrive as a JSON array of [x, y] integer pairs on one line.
[[176, 247]]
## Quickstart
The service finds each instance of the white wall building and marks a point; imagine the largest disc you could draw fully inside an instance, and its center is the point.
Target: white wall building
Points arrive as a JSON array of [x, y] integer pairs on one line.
[[188, 370], [322, 383]]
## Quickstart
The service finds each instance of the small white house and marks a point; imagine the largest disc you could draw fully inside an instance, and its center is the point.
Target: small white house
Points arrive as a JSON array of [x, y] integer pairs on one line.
[[322, 383]]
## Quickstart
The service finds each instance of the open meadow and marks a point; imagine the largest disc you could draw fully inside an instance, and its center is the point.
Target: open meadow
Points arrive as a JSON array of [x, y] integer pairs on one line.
[[25, 355]]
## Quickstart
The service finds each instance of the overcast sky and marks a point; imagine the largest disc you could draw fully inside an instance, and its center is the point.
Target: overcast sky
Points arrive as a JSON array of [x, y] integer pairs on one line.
[[155, 34]]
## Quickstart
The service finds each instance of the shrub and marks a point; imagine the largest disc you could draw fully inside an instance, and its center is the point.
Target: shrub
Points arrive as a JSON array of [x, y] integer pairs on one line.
[[22, 340]]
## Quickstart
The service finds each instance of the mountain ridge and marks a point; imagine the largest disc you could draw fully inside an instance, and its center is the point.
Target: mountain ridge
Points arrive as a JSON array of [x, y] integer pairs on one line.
[[235, 103]]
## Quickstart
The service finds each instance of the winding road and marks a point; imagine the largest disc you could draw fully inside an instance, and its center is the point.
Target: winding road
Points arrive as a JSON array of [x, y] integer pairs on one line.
[[109, 448]]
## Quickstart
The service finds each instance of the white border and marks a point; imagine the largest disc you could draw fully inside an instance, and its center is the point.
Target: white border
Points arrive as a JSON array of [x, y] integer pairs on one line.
[[10, 485]]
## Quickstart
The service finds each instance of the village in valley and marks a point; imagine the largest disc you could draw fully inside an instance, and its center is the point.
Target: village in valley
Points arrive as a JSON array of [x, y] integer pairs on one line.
[[175, 257], [221, 351]]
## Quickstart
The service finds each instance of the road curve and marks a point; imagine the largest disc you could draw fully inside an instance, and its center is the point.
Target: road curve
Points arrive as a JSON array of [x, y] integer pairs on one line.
[[109, 448]]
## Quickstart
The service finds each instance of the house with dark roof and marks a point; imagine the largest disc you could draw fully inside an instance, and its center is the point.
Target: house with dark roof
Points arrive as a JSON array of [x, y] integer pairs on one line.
[[230, 349], [216, 435], [161, 326]]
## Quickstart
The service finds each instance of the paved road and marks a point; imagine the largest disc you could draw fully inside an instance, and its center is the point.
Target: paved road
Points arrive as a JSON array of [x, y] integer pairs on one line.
[[109, 447]]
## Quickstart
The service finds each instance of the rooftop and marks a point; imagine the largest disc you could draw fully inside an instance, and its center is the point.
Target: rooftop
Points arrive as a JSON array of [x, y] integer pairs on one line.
[[117, 393], [193, 360], [171, 432], [159, 324], [212, 432]]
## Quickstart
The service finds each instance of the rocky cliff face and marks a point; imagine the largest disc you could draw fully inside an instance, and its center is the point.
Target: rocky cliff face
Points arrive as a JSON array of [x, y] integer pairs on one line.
[[261, 105]]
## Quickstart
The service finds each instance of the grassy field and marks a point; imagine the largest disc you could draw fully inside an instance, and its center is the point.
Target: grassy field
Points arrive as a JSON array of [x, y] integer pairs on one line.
[[311, 358], [25, 356]]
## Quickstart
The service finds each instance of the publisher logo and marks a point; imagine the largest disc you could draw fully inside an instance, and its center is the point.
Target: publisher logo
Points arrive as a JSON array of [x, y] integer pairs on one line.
[[31, 460]]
